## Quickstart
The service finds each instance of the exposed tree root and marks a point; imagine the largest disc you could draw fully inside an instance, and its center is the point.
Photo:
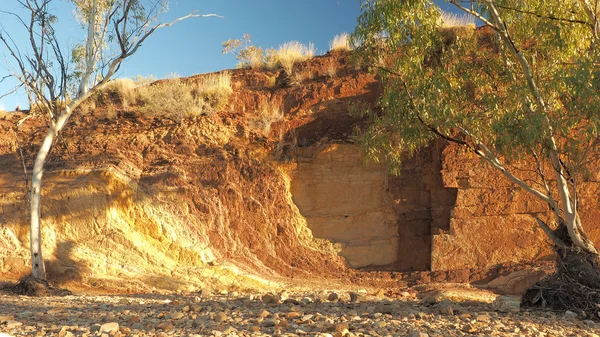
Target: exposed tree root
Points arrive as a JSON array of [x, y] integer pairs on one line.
[[30, 286], [575, 286]]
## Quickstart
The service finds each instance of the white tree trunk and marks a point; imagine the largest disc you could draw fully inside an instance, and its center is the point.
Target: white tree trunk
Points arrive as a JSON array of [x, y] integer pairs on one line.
[[38, 269], [90, 51]]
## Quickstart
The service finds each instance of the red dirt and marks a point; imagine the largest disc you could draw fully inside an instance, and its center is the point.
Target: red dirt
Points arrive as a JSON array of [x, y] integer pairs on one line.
[[227, 175]]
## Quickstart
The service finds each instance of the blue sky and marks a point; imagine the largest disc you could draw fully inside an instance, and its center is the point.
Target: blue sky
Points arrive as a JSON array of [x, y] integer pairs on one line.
[[194, 46]]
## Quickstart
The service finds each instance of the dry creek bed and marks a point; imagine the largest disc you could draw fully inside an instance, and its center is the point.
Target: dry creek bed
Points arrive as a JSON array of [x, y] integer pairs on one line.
[[326, 313]]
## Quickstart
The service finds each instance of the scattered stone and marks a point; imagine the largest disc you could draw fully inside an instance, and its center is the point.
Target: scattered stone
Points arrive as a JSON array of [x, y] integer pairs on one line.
[[95, 328], [469, 328], [13, 324], [507, 304], [570, 315], [55, 311], [270, 322], [357, 297], [133, 319], [380, 324], [483, 318], [419, 334], [6, 318], [229, 330], [292, 315], [284, 295], [270, 298], [110, 328], [220, 317], [165, 326], [332, 297], [170, 315]]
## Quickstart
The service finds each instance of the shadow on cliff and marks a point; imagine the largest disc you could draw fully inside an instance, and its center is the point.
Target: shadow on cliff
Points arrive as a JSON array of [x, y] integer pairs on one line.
[[63, 268], [14, 201], [333, 120]]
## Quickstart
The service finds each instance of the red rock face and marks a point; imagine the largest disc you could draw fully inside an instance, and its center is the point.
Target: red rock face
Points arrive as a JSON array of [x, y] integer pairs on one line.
[[156, 198]]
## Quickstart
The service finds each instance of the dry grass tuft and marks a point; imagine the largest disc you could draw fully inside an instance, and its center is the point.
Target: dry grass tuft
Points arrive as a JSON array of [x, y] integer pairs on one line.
[[215, 89], [119, 91], [332, 69], [300, 77], [269, 113], [340, 43], [172, 98], [452, 20], [271, 81], [289, 54], [454, 27]]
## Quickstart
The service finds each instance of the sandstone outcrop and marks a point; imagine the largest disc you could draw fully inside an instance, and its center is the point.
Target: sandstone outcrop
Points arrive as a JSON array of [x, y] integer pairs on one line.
[[146, 201]]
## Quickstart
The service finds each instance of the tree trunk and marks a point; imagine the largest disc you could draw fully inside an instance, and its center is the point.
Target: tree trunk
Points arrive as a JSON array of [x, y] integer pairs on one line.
[[90, 51], [38, 269]]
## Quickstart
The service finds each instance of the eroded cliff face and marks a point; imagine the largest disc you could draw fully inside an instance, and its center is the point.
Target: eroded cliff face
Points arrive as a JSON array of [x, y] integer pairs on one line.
[[160, 207], [347, 202], [146, 201], [143, 201], [381, 221], [492, 220]]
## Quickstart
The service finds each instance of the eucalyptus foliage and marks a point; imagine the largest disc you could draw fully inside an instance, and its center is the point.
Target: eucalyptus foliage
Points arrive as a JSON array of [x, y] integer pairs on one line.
[[524, 87]]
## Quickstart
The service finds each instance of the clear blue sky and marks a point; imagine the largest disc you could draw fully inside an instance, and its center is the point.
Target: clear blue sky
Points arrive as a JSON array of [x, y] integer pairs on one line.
[[194, 46]]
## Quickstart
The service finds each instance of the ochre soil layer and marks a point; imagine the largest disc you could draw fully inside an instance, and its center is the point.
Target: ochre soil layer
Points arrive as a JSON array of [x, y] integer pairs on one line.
[[132, 201]]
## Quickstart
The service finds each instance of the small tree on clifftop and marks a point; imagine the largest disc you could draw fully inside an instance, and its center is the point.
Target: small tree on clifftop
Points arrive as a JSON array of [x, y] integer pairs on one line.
[[525, 88], [115, 30]]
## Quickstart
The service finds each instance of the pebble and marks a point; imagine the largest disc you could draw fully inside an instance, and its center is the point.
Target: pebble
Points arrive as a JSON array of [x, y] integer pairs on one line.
[[220, 317], [299, 314], [419, 334], [357, 297], [570, 315], [270, 298], [6, 318], [165, 326], [13, 324]]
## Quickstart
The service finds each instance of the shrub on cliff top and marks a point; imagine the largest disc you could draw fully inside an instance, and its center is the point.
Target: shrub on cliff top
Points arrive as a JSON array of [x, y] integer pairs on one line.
[[289, 54], [179, 98], [248, 55], [340, 43]]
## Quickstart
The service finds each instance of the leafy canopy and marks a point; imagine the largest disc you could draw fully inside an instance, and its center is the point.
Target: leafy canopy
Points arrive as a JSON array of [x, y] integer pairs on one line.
[[466, 84]]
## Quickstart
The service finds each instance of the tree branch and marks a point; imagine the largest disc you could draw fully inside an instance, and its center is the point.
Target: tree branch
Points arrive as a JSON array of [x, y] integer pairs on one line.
[[550, 17], [550, 234]]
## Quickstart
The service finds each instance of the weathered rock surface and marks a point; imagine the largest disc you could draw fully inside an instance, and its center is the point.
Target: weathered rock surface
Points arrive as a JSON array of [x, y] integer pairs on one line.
[[142, 202]]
